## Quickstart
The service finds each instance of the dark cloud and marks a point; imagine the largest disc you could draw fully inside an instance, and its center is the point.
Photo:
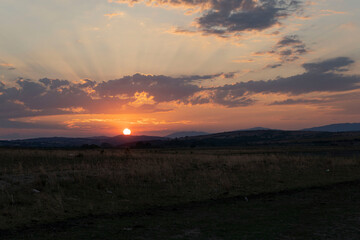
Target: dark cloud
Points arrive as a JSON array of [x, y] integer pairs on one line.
[[53, 96], [316, 78], [287, 49], [229, 75], [163, 88], [233, 16], [224, 96], [202, 77], [54, 83], [291, 101], [48, 94], [274, 65], [290, 48], [86, 83], [289, 41], [223, 17], [44, 97], [339, 64], [231, 98]]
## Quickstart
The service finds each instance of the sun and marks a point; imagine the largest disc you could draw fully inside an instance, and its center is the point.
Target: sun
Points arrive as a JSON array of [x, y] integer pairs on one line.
[[127, 131]]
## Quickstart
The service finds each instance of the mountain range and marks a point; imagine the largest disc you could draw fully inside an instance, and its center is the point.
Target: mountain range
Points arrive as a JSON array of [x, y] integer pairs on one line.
[[253, 136], [62, 142], [339, 127], [186, 134]]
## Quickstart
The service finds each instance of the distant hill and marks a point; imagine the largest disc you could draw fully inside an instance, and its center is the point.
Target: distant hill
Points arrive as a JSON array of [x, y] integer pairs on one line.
[[340, 127], [186, 134], [257, 129], [61, 142], [241, 138], [196, 133], [267, 138]]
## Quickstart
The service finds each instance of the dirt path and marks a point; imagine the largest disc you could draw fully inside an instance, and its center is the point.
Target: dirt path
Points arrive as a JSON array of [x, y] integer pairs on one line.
[[330, 212]]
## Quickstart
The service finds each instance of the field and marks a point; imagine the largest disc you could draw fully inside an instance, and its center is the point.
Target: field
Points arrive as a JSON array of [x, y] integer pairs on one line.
[[219, 193]]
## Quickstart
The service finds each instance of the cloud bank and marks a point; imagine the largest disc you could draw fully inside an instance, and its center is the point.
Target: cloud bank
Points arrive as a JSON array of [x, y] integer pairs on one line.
[[145, 93]]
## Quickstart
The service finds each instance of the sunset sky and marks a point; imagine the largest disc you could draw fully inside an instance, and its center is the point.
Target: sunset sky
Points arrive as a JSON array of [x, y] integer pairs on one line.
[[94, 67]]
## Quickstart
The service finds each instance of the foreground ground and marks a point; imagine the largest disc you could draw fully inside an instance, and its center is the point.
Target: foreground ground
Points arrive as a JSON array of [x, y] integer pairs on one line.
[[181, 194], [330, 212]]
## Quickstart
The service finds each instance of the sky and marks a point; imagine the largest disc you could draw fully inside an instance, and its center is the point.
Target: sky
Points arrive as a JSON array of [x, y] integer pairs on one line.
[[80, 68]]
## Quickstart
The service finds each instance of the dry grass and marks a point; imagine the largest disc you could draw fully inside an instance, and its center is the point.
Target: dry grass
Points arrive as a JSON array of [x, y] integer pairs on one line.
[[47, 185]]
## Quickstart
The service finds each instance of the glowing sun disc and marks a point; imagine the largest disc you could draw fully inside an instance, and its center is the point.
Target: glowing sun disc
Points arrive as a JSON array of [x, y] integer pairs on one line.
[[127, 131]]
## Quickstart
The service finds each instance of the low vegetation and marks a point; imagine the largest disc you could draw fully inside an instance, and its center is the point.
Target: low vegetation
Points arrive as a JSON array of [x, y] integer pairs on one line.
[[43, 186]]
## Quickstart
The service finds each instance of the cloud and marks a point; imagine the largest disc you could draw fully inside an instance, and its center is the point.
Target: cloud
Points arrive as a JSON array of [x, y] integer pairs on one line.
[[227, 17], [8, 66], [287, 49], [276, 65], [31, 98], [328, 12], [54, 83], [163, 88], [181, 31], [339, 64], [146, 93], [130, 93], [112, 15], [238, 16], [290, 40], [317, 78], [291, 101], [243, 60]]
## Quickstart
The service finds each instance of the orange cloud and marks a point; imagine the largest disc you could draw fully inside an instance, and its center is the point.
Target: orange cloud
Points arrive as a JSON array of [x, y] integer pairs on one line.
[[111, 15], [73, 109], [349, 26], [180, 31], [142, 98], [9, 66], [191, 7], [328, 12], [243, 60]]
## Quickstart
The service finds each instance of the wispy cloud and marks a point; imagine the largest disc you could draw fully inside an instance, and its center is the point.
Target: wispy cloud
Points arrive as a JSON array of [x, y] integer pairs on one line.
[[112, 15], [292, 101], [328, 12], [8, 66]]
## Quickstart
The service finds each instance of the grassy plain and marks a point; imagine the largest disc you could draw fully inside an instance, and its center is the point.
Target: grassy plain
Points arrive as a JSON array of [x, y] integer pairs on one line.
[[45, 187]]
